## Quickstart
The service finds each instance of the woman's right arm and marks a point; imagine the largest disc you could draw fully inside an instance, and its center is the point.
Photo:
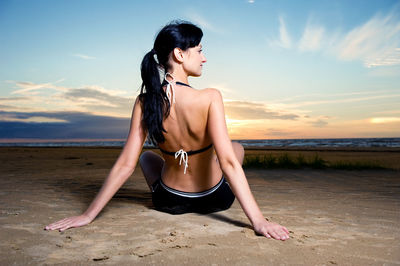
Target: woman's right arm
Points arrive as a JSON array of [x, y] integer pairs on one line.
[[233, 170], [120, 172]]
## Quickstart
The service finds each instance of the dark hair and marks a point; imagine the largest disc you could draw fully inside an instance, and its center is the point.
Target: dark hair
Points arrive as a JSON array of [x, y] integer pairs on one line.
[[155, 104]]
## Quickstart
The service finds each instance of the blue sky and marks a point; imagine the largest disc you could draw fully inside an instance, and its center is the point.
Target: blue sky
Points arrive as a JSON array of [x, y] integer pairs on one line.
[[286, 69]]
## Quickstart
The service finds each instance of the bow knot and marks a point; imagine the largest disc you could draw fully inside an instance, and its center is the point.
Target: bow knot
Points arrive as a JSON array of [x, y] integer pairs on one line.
[[170, 89], [184, 158]]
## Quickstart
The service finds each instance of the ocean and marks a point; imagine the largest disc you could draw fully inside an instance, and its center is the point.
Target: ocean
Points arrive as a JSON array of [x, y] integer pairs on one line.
[[261, 143]]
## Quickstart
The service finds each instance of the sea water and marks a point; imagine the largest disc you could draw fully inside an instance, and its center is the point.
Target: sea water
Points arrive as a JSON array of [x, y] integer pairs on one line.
[[268, 143]]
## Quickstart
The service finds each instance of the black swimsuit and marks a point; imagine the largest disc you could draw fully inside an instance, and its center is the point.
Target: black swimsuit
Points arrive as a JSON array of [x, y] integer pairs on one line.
[[167, 199]]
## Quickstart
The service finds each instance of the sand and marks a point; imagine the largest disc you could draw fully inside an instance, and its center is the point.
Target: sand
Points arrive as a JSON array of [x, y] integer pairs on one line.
[[336, 217]]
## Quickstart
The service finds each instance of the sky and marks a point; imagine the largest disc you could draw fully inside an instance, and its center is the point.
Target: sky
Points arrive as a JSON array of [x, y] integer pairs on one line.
[[286, 69]]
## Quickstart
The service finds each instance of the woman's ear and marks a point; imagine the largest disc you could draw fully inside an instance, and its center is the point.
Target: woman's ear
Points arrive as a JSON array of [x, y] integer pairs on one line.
[[178, 54]]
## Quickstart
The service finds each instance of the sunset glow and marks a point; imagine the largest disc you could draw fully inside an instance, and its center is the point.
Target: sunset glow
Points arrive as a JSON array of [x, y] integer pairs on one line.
[[286, 70]]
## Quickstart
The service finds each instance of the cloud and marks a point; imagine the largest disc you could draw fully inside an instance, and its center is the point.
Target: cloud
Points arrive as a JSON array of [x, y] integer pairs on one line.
[[345, 100], [251, 1], [201, 21], [319, 123], [387, 58], [284, 38], [297, 98], [87, 98], [243, 110], [100, 101], [12, 99], [86, 57], [225, 89], [37, 119], [5, 107], [96, 97], [384, 120], [376, 42], [61, 125], [388, 112], [31, 88], [312, 38]]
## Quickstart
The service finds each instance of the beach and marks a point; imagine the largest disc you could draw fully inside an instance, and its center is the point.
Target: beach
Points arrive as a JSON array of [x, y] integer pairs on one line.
[[335, 217]]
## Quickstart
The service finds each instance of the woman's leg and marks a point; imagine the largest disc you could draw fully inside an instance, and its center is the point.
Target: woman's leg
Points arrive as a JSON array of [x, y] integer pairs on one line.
[[151, 164]]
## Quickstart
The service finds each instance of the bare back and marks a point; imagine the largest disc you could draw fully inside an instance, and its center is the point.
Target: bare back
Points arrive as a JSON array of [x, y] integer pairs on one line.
[[187, 129]]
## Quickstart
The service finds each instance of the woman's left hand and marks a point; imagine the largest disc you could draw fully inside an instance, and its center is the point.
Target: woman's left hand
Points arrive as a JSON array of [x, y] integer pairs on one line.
[[273, 230]]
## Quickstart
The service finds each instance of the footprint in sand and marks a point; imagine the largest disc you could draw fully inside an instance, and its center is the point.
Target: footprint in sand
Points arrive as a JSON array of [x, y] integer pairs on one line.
[[144, 251], [101, 258], [174, 240], [302, 239], [172, 237]]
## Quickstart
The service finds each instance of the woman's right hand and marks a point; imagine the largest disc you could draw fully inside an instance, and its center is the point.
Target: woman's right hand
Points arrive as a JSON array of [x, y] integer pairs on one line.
[[70, 222]]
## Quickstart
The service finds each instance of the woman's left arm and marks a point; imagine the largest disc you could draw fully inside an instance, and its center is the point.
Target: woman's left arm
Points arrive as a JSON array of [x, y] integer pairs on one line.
[[120, 172]]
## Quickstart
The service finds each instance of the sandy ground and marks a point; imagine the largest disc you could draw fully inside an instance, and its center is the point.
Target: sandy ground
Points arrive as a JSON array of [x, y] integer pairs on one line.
[[335, 217]]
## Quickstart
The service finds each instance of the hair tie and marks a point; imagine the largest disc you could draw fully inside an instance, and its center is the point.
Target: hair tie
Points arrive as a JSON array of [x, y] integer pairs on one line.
[[155, 56]]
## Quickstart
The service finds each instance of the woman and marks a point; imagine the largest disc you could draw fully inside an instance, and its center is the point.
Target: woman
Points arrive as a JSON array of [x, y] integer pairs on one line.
[[188, 125]]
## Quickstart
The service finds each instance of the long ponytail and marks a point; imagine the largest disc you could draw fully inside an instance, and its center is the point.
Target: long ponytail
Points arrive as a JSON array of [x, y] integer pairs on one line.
[[156, 106], [154, 99]]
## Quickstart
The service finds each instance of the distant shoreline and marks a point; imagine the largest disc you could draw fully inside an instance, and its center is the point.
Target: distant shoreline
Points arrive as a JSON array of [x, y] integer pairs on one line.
[[334, 144], [289, 149]]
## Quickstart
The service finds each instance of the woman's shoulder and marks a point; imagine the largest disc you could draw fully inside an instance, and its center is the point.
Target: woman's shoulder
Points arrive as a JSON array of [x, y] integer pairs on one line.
[[203, 97], [211, 93]]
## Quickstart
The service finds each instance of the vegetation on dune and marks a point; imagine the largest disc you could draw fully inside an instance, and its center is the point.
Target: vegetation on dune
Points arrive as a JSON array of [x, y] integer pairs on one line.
[[287, 161]]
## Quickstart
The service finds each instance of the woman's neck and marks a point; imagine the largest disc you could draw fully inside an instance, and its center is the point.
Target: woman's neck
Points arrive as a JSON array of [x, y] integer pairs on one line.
[[179, 76]]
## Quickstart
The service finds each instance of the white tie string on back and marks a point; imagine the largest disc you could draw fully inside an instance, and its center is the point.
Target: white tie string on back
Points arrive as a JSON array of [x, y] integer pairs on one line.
[[170, 89], [184, 158]]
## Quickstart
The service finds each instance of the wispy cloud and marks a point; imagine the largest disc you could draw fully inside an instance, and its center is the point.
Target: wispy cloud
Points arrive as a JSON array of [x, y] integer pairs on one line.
[[226, 90], [97, 97], [29, 88], [388, 112], [312, 38], [12, 99], [388, 58], [92, 98], [201, 21], [83, 56], [284, 37], [244, 110], [325, 98], [11, 117], [375, 42], [346, 100]]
